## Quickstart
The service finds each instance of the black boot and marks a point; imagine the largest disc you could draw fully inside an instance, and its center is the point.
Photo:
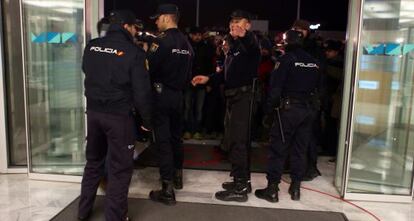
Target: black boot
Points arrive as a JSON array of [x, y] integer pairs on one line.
[[231, 185], [294, 190], [311, 174], [237, 194], [178, 179], [165, 195], [270, 193]]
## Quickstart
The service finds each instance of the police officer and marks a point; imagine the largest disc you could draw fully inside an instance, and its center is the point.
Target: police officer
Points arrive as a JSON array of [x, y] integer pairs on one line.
[[311, 46], [241, 65], [116, 81], [170, 58], [293, 83]]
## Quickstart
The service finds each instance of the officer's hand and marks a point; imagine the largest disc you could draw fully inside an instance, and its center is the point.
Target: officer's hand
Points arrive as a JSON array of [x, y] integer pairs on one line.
[[145, 129], [199, 79]]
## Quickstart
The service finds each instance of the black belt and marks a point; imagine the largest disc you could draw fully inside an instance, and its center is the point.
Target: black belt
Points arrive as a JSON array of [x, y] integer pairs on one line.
[[234, 91]]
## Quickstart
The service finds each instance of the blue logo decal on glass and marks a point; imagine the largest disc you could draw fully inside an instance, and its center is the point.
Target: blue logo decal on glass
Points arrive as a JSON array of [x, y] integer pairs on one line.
[[54, 37], [391, 49]]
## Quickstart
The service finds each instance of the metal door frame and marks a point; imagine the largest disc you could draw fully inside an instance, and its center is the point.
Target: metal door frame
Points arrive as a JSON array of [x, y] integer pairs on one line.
[[355, 39], [89, 27]]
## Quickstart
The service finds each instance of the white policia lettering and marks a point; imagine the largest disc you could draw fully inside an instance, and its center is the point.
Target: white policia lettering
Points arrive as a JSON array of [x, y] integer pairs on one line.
[[179, 51], [105, 50], [308, 65]]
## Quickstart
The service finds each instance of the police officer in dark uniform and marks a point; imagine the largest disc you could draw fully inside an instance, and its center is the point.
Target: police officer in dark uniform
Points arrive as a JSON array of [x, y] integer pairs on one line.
[[116, 81], [293, 83], [170, 58], [311, 46], [241, 66]]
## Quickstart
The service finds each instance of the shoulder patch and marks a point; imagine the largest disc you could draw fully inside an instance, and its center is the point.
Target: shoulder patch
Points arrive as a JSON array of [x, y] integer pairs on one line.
[[277, 64], [154, 47]]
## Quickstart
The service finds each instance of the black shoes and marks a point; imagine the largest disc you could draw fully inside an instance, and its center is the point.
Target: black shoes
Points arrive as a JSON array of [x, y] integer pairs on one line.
[[84, 218], [178, 179], [230, 185], [166, 195], [237, 194], [294, 191], [311, 174], [270, 193]]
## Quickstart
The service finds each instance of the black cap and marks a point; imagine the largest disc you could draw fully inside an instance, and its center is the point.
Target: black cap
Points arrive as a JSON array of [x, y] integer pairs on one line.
[[293, 37], [239, 14], [122, 17], [165, 9]]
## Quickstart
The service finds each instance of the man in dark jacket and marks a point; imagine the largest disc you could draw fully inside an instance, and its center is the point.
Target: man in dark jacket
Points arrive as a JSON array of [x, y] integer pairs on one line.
[[194, 96], [170, 58], [241, 67], [116, 82]]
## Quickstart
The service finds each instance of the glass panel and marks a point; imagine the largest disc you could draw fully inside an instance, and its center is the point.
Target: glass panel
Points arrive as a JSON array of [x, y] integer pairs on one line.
[[54, 44], [16, 126], [382, 147], [352, 32]]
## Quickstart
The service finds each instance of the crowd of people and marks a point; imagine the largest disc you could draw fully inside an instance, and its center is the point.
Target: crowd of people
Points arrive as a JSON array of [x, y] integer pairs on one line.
[[238, 85]]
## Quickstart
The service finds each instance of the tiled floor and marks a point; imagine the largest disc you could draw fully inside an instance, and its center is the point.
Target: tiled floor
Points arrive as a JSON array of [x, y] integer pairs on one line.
[[23, 199]]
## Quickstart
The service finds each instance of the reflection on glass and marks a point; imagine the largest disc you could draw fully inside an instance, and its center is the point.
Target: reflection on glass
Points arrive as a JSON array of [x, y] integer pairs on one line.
[[382, 148], [54, 31]]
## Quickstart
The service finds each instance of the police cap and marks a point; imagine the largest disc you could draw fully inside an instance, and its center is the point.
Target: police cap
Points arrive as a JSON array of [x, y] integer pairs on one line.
[[165, 9], [293, 37], [122, 17], [239, 14]]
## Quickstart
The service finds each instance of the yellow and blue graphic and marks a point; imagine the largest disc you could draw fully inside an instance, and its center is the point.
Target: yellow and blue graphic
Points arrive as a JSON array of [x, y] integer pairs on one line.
[[55, 37]]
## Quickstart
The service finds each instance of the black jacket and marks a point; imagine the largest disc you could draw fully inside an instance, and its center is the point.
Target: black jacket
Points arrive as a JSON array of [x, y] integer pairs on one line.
[[241, 63], [296, 75], [116, 78], [170, 59], [203, 58]]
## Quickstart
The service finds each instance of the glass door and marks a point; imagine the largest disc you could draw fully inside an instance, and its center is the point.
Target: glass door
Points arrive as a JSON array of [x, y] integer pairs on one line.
[[381, 130], [54, 38]]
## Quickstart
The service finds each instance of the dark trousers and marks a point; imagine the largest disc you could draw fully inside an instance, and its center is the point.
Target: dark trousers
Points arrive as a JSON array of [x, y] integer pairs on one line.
[[297, 129], [214, 109], [313, 144], [168, 121], [237, 133], [110, 138], [193, 104]]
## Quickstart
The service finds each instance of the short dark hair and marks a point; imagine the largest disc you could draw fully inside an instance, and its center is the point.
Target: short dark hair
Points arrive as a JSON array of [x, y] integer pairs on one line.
[[102, 24]]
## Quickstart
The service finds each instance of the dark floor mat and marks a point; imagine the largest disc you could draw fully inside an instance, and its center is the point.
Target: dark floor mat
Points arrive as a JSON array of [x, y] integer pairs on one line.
[[205, 157], [146, 210]]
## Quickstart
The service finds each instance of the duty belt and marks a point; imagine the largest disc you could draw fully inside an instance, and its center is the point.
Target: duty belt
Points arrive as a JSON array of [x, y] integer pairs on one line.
[[234, 91]]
